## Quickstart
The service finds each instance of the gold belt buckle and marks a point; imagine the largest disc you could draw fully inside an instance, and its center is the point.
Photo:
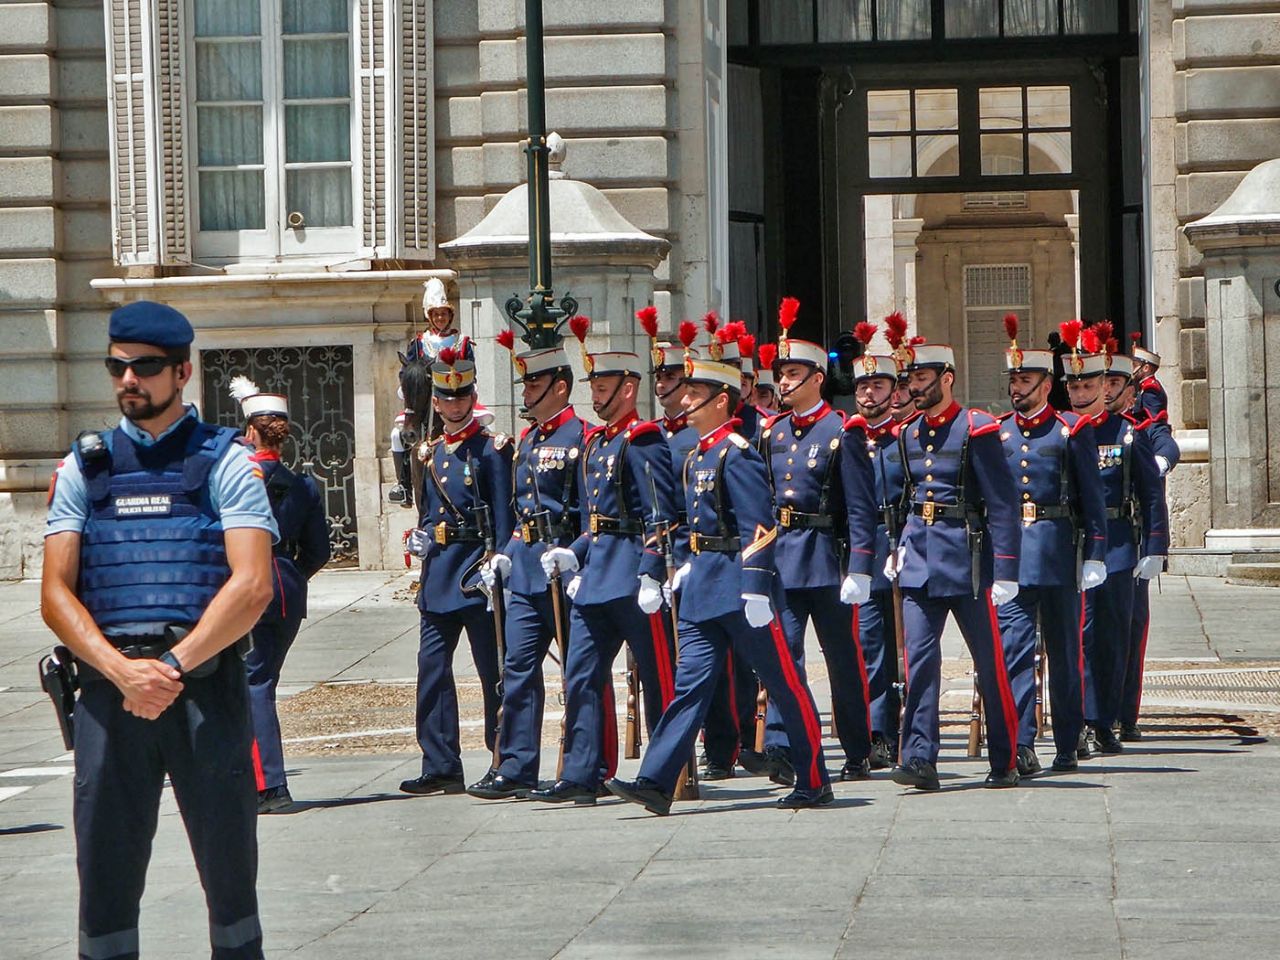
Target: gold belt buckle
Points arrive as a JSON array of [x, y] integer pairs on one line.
[[442, 533], [1029, 513], [693, 543], [594, 522], [928, 509], [784, 516], [529, 528]]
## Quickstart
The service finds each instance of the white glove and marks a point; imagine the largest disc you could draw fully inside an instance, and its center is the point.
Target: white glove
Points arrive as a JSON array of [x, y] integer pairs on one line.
[[757, 608], [1093, 574], [680, 575], [1002, 591], [418, 543], [571, 590], [856, 589], [894, 563], [650, 596], [1149, 568], [1162, 463], [499, 565], [559, 557]]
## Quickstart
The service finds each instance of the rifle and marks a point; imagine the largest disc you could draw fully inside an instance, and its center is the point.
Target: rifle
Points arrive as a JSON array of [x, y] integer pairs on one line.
[[631, 736], [497, 597], [687, 784], [60, 679], [975, 718], [1041, 664], [558, 604], [893, 530]]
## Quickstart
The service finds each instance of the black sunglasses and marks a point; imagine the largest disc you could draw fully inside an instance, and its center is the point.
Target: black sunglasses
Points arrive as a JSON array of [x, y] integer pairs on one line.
[[147, 366]]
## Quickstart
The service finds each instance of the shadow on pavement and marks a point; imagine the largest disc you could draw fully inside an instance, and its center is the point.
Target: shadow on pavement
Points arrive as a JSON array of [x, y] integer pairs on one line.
[[302, 806], [30, 828]]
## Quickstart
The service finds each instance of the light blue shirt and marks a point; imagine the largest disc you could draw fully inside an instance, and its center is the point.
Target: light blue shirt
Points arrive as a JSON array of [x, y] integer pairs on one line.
[[236, 490]]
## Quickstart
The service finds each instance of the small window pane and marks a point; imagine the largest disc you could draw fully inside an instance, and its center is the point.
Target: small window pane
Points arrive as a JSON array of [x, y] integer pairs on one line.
[[1031, 18], [316, 68], [317, 133], [938, 156], [889, 156], [937, 110], [229, 136], [315, 16], [1094, 16], [1048, 106], [227, 18], [977, 18], [904, 19], [1049, 153], [888, 110], [786, 21], [323, 197], [1000, 107], [844, 21], [1001, 154], [231, 200], [228, 71], [739, 23]]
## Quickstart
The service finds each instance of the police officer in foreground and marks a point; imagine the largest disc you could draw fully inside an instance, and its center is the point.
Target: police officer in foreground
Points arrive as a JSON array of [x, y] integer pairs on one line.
[[303, 548], [1053, 459], [157, 560], [466, 486], [547, 515], [959, 555], [732, 600]]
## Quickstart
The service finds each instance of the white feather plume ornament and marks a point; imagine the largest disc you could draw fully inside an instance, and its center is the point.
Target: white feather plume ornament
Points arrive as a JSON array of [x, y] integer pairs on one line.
[[242, 388]]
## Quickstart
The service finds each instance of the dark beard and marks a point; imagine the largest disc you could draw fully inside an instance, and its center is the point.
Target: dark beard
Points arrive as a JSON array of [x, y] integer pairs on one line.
[[929, 397], [147, 410], [1024, 404], [873, 414]]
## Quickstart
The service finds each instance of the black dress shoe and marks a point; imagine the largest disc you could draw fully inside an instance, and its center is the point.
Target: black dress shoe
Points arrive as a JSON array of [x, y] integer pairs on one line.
[[1084, 748], [856, 770], [920, 774], [881, 758], [499, 788], [565, 791], [425, 785], [754, 762], [274, 800], [1003, 778], [487, 778], [716, 771], [799, 799], [1129, 733], [644, 792], [1108, 742], [780, 769], [1066, 761], [1028, 762]]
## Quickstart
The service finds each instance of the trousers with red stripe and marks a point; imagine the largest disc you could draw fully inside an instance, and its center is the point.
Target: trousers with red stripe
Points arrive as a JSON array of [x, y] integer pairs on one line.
[[596, 634], [272, 638], [1131, 700], [923, 618], [704, 646]]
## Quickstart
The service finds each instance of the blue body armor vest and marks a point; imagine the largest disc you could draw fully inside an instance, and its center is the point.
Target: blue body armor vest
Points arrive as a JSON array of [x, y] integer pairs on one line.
[[152, 548]]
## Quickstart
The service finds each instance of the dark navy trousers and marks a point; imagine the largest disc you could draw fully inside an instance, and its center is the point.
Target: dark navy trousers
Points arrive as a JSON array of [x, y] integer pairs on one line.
[[203, 742], [923, 618], [597, 632], [731, 715], [880, 653], [1060, 610], [272, 639], [530, 633], [1108, 619], [704, 647], [437, 711], [1131, 701]]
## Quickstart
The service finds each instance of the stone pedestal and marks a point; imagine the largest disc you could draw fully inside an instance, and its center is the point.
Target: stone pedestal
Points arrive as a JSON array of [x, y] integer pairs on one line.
[[1240, 243], [600, 258]]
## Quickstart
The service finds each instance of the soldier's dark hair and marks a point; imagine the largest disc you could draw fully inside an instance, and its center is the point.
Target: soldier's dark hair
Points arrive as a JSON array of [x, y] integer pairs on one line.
[[563, 376], [272, 430], [735, 397], [179, 354]]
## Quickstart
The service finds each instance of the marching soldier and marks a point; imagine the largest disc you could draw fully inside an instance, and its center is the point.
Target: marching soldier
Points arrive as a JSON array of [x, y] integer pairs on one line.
[[822, 512], [547, 516], [959, 555], [875, 387], [627, 485], [765, 397], [1053, 459], [303, 548], [466, 488], [1136, 520], [732, 576], [1151, 401]]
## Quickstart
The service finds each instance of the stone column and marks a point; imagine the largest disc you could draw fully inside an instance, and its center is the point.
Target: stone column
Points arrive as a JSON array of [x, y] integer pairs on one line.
[[1240, 246]]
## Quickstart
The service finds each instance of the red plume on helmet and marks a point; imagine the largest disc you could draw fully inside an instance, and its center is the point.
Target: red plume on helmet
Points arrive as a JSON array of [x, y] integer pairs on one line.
[[788, 310], [710, 321], [1136, 337], [768, 354], [448, 356], [1089, 341], [1070, 332], [507, 338], [746, 346], [648, 317], [863, 332], [579, 325], [1011, 327], [1105, 330], [895, 329], [1113, 346], [916, 341], [688, 332]]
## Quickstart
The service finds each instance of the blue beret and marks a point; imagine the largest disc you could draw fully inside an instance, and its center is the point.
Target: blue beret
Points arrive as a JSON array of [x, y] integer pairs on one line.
[[149, 322]]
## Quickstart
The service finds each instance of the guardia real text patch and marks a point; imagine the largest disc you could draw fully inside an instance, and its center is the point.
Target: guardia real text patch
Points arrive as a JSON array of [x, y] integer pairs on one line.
[[155, 505]]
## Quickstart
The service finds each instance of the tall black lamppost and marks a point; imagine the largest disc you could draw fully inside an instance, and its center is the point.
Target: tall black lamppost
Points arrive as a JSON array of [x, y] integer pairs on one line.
[[538, 315]]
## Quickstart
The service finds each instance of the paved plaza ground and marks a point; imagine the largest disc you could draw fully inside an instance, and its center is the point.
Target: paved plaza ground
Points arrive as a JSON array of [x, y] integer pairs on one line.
[[1168, 851]]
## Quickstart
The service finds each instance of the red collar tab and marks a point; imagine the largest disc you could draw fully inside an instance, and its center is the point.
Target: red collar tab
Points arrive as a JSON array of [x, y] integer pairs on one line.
[[1029, 423], [1151, 383], [881, 429], [1099, 418], [674, 424], [626, 420], [801, 422], [258, 456], [558, 421], [718, 434], [945, 417], [466, 433]]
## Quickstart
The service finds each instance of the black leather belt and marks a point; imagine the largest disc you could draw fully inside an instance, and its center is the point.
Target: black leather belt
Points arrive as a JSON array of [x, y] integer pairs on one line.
[[701, 543], [931, 512], [599, 523], [445, 534], [532, 531], [795, 520], [1119, 513], [1031, 512]]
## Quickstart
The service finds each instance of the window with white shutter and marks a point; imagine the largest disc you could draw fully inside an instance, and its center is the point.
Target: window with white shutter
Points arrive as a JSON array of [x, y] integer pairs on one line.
[[128, 98], [417, 117]]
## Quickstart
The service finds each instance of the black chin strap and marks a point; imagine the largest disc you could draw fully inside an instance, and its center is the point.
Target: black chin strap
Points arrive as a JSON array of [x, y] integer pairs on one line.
[[528, 407], [783, 394], [706, 401], [613, 396]]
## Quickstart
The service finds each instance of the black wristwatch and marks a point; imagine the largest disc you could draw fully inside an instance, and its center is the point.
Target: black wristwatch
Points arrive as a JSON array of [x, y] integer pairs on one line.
[[171, 660]]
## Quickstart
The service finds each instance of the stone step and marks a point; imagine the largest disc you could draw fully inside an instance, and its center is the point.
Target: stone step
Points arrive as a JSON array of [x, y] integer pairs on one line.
[[1254, 574]]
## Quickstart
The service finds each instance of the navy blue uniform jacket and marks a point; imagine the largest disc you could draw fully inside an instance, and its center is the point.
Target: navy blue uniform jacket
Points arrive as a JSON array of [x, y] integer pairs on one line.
[[303, 547], [884, 453], [1118, 440]]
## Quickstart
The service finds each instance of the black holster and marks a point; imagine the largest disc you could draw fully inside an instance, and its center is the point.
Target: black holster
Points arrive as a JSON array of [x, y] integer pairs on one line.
[[60, 679]]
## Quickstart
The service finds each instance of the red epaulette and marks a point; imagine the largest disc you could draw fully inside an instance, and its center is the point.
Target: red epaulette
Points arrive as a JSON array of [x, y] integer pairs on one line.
[[525, 432], [1075, 427], [590, 431], [641, 427], [1151, 383], [855, 421], [978, 429], [768, 422]]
